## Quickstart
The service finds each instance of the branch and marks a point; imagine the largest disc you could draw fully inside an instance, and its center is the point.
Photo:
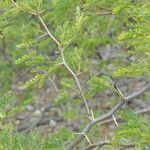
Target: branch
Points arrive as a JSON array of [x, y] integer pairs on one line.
[[48, 32], [142, 111], [26, 125], [61, 49], [107, 115]]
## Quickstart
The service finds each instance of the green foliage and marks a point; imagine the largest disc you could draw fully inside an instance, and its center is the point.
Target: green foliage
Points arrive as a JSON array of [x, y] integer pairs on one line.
[[81, 27], [57, 140], [19, 141], [138, 69], [6, 75], [9, 105], [38, 64], [137, 36], [78, 61], [62, 98], [33, 140], [98, 84], [71, 30], [136, 130]]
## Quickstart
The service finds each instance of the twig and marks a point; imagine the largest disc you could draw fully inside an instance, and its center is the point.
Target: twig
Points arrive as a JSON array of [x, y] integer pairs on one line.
[[107, 115], [97, 145], [145, 110], [41, 36], [116, 123], [61, 49], [48, 32], [15, 3], [127, 146]]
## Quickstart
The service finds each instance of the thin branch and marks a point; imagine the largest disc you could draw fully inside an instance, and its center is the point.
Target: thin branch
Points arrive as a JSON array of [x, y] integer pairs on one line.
[[41, 36], [127, 146], [145, 110], [107, 115], [97, 145], [64, 61], [101, 144], [29, 11], [15, 3], [48, 32]]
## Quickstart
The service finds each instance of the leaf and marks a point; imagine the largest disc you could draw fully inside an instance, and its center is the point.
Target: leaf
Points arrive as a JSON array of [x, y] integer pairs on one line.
[[98, 84]]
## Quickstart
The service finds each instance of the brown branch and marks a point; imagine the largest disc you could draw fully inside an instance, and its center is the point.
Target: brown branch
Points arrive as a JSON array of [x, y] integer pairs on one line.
[[105, 116]]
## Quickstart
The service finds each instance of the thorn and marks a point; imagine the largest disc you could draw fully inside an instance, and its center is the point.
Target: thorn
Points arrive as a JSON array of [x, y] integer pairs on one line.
[[14, 3], [88, 140], [115, 120], [119, 92], [92, 114], [42, 36]]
